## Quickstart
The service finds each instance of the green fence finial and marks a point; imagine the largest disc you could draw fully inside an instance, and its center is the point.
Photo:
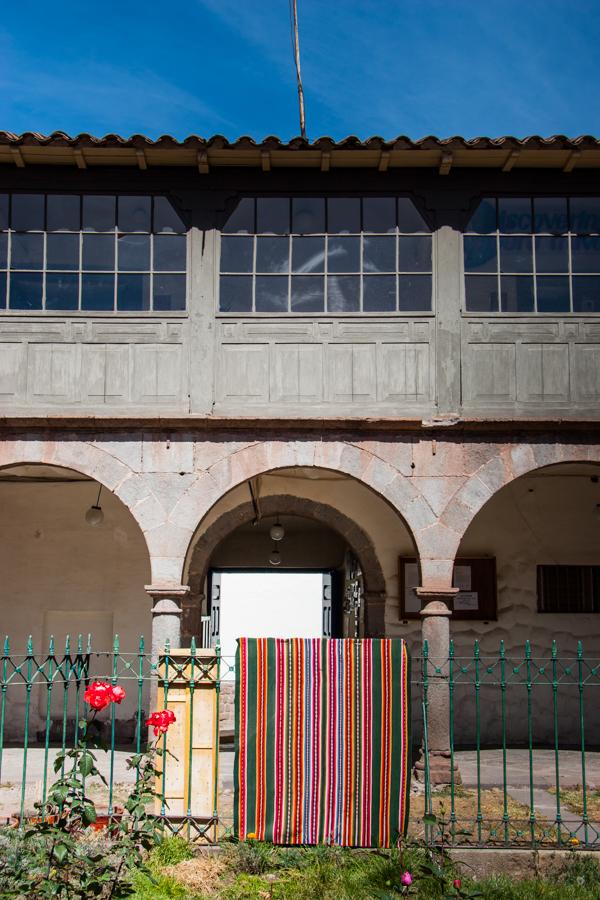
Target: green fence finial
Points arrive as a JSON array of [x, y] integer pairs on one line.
[[67, 645], [79, 644], [425, 648], [527, 649], [502, 649], [193, 646], [579, 649], [6, 646], [89, 643], [476, 649], [29, 645], [116, 644], [51, 646], [554, 649]]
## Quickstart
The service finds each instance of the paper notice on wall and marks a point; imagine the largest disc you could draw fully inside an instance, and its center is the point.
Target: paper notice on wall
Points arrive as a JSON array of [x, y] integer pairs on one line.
[[466, 601], [462, 578], [412, 603]]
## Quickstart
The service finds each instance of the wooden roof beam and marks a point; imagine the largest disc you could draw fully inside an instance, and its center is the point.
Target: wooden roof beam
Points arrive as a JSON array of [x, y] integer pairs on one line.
[[511, 160], [80, 160], [17, 156], [202, 160], [384, 161], [265, 160], [325, 160], [141, 159], [572, 160], [446, 163]]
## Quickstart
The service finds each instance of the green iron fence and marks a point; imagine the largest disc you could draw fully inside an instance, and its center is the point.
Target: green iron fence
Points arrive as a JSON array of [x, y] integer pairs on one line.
[[41, 711], [523, 732], [523, 737]]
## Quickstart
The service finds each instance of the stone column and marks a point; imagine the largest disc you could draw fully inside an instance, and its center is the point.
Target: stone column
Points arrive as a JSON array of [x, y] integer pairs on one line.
[[166, 615], [435, 629]]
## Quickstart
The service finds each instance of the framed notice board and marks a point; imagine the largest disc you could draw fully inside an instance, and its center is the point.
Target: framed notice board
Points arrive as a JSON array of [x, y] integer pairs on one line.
[[475, 578]]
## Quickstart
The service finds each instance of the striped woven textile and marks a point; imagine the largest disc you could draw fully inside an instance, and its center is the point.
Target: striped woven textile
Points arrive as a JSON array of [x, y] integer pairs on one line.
[[322, 741]]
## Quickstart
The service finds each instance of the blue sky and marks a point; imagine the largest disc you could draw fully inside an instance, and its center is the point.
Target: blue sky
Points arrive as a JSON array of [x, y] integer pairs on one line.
[[385, 67]]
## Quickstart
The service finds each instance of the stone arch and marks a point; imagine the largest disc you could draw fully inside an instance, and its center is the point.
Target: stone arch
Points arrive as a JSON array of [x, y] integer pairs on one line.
[[440, 543], [288, 504], [88, 459], [262, 458]]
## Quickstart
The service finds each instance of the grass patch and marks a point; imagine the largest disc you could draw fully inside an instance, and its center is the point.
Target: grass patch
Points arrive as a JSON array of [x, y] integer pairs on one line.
[[492, 812], [573, 798]]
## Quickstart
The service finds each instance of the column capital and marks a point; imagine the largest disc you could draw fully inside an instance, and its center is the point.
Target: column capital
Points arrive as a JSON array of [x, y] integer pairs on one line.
[[435, 601], [160, 591]]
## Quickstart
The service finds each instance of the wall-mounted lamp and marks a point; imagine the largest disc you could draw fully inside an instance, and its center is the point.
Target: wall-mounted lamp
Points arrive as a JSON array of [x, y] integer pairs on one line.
[[275, 557], [277, 531], [94, 515]]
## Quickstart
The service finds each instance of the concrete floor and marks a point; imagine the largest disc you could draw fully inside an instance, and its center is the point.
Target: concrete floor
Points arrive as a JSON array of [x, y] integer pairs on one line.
[[490, 775]]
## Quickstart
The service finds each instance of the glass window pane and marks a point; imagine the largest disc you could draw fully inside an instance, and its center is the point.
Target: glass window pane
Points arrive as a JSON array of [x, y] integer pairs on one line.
[[379, 254], [63, 212], [97, 292], [308, 293], [308, 254], [272, 254], [585, 215], [586, 294], [343, 254], [379, 214], [481, 293], [62, 291], [99, 212], [414, 254], [516, 254], [414, 293], [236, 254], [169, 293], [98, 251], [409, 217], [62, 251], [553, 293], [585, 254], [170, 253], [3, 212], [273, 215], [550, 215], [241, 220], [308, 215], [516, 292], [379, 293], [134, 252], [27, 212], [343, 215], [166, 217], [27, 251], [271, 293], [133, 292], [26, 290], [483, 219], [235, 293], [3, 250], [514, 215], [3, 281], [552, 254], [480, 253], [343, 293], [134, 213]]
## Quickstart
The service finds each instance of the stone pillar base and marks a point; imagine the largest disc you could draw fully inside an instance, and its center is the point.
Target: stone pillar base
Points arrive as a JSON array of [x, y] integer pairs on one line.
[[440, 770]]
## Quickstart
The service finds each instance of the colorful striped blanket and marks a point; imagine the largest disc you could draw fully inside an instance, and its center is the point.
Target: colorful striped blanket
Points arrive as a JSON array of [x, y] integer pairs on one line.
[[322, 734]]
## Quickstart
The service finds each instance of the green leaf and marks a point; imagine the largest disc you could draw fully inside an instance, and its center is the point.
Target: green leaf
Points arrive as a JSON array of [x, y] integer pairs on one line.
[[60, 852], [86, 764], [429, 819], [89, 813]]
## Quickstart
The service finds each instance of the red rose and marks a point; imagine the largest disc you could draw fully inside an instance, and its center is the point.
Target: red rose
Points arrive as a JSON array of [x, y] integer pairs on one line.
[[160, 721], [456, 883], [98, 695], [117, 694]]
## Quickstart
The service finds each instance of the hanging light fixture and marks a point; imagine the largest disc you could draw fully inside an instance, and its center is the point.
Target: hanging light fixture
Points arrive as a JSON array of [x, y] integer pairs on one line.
[[277, 531], [275, 557], [94, 515]]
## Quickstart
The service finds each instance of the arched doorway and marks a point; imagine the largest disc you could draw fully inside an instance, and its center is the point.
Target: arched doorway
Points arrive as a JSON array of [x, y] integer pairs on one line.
[[541, 532], [74, 565]]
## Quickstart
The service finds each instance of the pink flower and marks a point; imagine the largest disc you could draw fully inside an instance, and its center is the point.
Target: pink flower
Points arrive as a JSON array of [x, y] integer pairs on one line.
[[406, 879], [456, 884], [160, 721], [117, 694]]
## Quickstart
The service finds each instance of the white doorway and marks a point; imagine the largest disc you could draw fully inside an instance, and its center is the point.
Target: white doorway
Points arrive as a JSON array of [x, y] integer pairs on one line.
[[267, 604]]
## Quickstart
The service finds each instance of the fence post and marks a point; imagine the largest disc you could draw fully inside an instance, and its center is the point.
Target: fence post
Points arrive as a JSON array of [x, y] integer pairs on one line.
[[435, 630]]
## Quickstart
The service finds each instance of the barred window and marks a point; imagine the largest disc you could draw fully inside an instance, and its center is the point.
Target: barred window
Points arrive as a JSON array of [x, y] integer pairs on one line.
[[91, 253], [334, 255], [533, 255], [568, 589]]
